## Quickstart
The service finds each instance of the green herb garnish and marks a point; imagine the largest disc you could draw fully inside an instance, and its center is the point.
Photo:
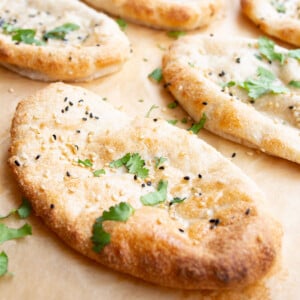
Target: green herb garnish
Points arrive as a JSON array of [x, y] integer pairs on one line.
[[59, 33], [23, 210], [177, 200], [175, 34], [228, 84], [156, 75], [263, 84], [120, 212], [86, 162], [198, 126], [173, 104], [294, 54], [172, 122], [3, 263], [279, 7], [267, 49], [99, 172], [150, 110], [122, 24], [295, 84], [159, 161], [157, 197], [7, 233], [134, 164]]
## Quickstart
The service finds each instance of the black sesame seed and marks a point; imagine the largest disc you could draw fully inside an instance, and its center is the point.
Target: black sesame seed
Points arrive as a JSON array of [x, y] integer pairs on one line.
[[161, 168], [247, 212], [66, 108], [84, 119], [238, 60], [68, 174], [221, 74], [149, 183], [62, 111], [167, 85], [38, 156], [52, 206], [135, 177], [71, 103], [186, 177], [217, 222], [66, 98], [86, 112], [204, 103], [17, 163], [96, 117], [81, 100], [98, 45], [211, 34], [143, 185], [91, 115], [180, 229], [233, 154], [77, 147], [54, 136], [199, 194], [199, 175], [155, 120], [252, 101], [291, 107], [77, 131], [212, 220], [230, 94]]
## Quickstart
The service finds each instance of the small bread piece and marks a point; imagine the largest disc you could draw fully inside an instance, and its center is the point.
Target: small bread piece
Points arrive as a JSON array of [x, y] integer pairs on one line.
[[163, 14], [96, 48], [205, 75], [276, 17], [215, 238]]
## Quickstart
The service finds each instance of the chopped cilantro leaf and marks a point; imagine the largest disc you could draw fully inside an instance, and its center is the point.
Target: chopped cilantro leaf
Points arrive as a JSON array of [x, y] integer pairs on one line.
[[122, 24], [86, 162], [173, 104], [175, 34], [26, 36], [120, 212], [198, 126], [3, 263], [25, 209], [157, 197], [280, 8], [59, 33], [294, 83], [7, 233], [156, 75], [150, 110], [134, 164], [229, 84], [172, 122], [177, 200], [264, 84], [99, 172], [184, 120], [267, 49], [8, 28], [294, 54], [159, 161]]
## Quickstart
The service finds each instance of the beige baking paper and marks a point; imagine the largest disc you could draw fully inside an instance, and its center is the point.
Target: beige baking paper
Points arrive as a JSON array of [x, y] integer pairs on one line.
[[45, 268]]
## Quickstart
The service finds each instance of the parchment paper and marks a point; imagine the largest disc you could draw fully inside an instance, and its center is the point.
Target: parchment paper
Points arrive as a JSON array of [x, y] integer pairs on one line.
[[43, 267]]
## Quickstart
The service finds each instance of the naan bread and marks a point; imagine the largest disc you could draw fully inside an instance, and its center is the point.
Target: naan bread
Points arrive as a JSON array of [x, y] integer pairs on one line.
[[163, 14], [276, 17], [96, 48], [217, 237], [205, 73]]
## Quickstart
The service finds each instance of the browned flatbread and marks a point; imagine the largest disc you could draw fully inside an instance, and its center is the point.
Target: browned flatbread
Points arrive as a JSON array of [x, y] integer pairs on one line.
[[97, 48], [216, 238], [205, 75], [275, 17], [164, 14]]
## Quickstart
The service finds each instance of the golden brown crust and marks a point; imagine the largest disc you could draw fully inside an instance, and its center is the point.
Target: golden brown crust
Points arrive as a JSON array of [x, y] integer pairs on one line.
[[282, 25], [171, 245], [96, 49], [195, 69], [164, 14]]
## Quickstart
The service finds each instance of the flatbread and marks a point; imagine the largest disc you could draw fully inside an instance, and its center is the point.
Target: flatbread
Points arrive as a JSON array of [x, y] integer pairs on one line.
[[163, 14], [96, 49], [199, 71], [275, 17], [217, 237]]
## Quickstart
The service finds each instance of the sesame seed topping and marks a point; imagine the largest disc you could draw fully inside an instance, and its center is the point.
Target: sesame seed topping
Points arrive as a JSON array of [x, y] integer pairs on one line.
[[143, 185], [149, 183], [17, 163], [233, 154], [54, 136], [238, 60], [37, 157], [204, 103], [68, 174], [66, 98], [247, 212], [222, 73], [155, 120], [135, 177], [186, 177], [161, 168], [84, 119], [52, 206], [180, 229], [199, 176]]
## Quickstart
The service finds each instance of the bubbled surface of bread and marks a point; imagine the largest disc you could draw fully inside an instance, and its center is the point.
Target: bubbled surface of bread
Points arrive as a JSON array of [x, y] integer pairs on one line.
[[172, 245], [96, 49], [164, 14]]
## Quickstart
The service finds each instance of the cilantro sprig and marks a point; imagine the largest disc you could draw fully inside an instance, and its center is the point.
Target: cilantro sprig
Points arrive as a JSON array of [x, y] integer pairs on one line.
[[120, 212], [175, 34], [177, 200], [156, 197], [295, 84], [156, 75], [86, 163], [134, 164], [7, 233], [3, 263], [199, 125], [159, 161], [264, 83], [122, 24], [59, 33], [23, 211], [267, 49]]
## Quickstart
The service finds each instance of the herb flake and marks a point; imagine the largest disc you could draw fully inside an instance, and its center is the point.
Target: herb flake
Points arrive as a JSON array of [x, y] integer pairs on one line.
[[199, 125], [267, 49], [156, 75], [7, 233], [156, 197], [3, 263]]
